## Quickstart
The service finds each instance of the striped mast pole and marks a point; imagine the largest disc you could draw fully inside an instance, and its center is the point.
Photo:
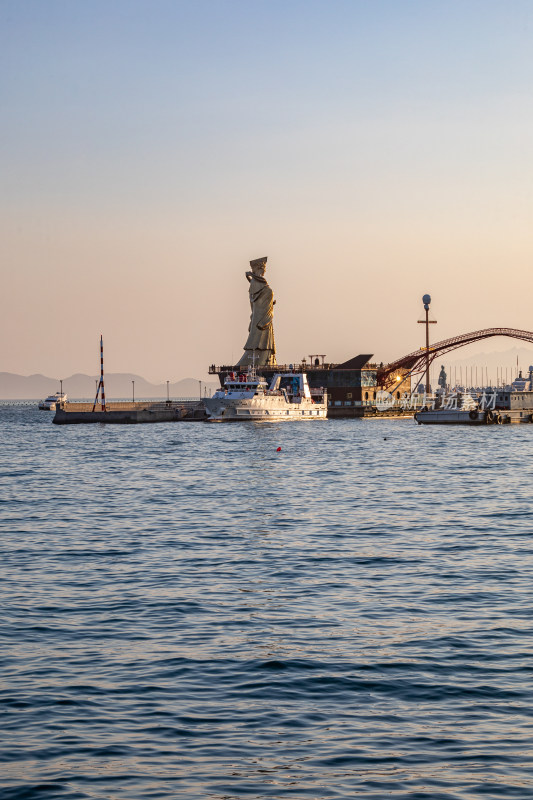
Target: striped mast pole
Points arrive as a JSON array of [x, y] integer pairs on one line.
[[100, 388], [102, 371]]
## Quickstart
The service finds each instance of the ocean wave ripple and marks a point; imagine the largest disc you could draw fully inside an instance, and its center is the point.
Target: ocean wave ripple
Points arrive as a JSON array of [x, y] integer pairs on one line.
[[188, 613]]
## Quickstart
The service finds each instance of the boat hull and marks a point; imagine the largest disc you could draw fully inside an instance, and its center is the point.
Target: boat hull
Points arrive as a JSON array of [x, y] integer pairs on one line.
[[451, 417], [221, 410]]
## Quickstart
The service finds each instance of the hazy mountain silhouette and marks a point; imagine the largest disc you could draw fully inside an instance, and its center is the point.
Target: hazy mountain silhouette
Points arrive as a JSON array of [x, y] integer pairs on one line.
[[79, 386]]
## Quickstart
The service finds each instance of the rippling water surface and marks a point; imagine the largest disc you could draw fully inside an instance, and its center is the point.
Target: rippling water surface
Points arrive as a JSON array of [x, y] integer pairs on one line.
[[188, 613]]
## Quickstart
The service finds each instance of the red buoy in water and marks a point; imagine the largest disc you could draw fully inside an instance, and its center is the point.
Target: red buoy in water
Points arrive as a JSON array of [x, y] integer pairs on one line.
[[278, 450]]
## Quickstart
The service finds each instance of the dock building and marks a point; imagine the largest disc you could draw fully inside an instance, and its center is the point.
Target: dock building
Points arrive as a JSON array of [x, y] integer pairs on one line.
[[352, 386]]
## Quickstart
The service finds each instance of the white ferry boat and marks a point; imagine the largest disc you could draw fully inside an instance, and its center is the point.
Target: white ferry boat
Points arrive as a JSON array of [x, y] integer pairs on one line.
[[248, 397], [50, 403]]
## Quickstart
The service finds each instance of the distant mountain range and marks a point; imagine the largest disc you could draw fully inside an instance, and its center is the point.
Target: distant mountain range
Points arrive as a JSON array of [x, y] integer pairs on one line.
[[79, 386]]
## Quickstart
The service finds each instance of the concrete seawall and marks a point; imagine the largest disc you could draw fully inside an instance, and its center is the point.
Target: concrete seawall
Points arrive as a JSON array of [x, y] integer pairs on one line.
[[124, 413]]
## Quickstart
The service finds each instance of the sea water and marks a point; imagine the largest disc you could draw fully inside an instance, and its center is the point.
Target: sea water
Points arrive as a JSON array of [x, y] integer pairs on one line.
[[187, 612]]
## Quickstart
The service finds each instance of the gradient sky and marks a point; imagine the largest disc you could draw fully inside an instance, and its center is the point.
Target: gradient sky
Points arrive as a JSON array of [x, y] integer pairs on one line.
[[373, 151]]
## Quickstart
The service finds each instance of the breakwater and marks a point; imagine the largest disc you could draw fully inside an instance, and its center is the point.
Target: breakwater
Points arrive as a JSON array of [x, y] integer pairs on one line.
[[128, 413]]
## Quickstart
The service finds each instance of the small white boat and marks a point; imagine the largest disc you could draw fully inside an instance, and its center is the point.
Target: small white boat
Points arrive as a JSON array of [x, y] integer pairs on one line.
[[50, 403], [249, 398]]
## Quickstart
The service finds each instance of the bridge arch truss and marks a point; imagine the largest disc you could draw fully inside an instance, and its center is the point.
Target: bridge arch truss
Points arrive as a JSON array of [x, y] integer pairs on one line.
[[415, 363]]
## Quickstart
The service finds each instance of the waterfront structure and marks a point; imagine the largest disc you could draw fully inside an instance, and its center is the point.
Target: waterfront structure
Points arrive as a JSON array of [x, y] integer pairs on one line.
[[127, 413], [416, 363], [352, 385]]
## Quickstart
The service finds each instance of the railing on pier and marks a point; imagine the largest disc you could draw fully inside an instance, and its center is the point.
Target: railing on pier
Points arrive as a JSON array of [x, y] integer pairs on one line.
[[125, 405], [302, 366]]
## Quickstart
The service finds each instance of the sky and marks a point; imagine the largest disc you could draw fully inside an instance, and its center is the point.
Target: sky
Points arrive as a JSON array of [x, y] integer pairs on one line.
[[374, 151]]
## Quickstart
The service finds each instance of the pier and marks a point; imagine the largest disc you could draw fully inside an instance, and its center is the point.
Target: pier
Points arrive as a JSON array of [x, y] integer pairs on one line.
[[129, 413]]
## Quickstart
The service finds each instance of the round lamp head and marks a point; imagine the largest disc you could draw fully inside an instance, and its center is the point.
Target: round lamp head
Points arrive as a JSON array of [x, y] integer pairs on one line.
[[426, 299]]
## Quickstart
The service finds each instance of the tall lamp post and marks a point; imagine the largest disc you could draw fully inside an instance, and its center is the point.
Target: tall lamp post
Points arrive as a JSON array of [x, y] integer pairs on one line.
[[427, 322], [133, 391], [168, 395]]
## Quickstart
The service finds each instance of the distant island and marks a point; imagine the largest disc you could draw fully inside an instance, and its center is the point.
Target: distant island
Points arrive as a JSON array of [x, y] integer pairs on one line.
[[118, 385]]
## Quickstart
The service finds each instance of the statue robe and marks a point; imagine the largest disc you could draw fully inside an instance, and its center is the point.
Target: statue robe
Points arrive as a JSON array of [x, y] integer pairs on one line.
[[261, 329]]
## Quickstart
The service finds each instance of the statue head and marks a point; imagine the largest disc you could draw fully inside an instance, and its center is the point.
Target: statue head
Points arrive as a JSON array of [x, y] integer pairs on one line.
[[258, 266]]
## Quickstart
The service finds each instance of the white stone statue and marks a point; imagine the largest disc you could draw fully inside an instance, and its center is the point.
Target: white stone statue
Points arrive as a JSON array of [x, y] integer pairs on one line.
[[260, 348]]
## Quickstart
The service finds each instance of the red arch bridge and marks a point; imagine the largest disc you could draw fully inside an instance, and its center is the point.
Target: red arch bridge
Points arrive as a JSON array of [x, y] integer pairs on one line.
[[415, 363]]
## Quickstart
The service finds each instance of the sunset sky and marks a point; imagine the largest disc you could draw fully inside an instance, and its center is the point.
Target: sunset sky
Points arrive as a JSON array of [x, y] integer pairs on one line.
[[374, 151]]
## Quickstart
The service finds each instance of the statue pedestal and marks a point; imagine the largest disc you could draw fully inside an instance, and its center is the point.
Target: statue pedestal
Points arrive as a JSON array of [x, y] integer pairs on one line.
[[257, 358]]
